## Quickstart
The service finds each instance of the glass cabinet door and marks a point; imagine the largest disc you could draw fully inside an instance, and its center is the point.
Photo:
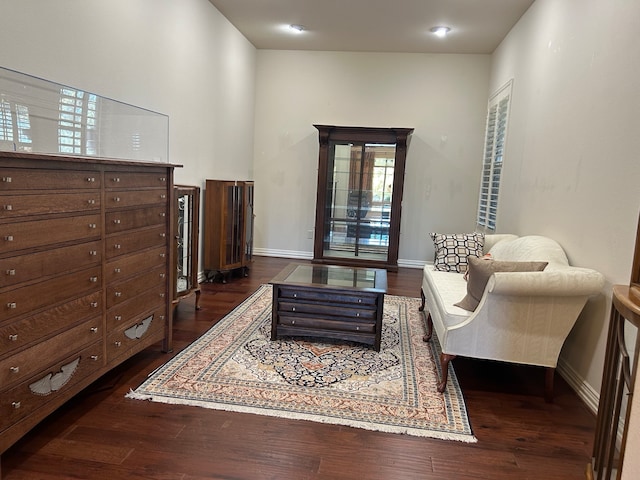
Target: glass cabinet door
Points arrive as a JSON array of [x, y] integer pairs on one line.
[[187, 231], [360, 183]]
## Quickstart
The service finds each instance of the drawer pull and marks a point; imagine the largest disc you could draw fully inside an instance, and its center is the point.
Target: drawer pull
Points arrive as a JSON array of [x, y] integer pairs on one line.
[[91, 201], [116, 270], [359, 300], [117, 344], [358, 314], [118, 294], [92, 225], [93, 329], [6, 179], [15, 405], [93, 253], [162, 235], [357, 328], [293, 309], [162, 255], [94, 357], [93, 279], [162, 214], [15, 369], [11, 272], [116, 179], [12, 305], [162, 317], [293, 322], [13, 337], [117, 221], [8, 238], [162, 295], [117, 246], [94, 304], [162, 275], [91, 179], [7, 207], [118, 318], [116, 199], [295, 295], [163, 196], [163, 179]]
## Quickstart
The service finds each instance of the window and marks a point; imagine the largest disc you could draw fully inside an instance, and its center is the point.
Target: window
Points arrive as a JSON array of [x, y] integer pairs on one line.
[[10, 123], [77, 122], [494, 145]]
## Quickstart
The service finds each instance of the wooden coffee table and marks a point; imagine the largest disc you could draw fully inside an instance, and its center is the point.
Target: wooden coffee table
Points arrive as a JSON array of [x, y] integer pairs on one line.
[[329, 301]]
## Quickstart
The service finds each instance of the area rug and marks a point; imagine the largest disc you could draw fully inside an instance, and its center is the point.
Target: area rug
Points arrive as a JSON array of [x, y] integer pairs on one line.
[[236, 367]]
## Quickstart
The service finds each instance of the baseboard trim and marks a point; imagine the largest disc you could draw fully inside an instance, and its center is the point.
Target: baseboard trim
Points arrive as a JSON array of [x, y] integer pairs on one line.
[[270, 252], [587, 394]]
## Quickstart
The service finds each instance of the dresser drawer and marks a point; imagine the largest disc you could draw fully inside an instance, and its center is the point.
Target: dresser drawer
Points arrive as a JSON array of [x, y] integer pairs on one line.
[[326, 296], [24, 399], [22, 235], [123, 180], [24, 364], [13, 206], [138, 218], [134, 286], [129, 311], [125, 266], [134, 198], [41, 179], [135, 336], [323, 310], [22, 268], [20, 301], [130, 242], [32, 328]]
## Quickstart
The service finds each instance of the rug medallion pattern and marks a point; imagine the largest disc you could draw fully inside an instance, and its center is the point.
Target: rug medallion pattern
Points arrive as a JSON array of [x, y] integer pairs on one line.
[[236, 367]]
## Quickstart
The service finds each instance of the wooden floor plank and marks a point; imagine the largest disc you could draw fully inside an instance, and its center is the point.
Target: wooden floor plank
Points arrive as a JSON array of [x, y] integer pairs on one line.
[[100, 434]]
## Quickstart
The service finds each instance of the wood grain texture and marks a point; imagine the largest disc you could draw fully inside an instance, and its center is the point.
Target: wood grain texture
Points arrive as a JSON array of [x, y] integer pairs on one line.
[[99, 434]]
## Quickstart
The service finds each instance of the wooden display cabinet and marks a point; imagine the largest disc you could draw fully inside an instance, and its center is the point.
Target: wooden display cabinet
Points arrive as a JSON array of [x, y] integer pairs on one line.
[[228, 224], [187, 221]]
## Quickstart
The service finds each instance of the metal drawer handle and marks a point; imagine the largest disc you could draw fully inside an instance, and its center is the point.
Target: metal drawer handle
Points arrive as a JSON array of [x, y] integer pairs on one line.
[[92, 225], [91, 179], [13, 337], [118, 318], [12, 305], [359, 300], [117, 344], [91, 201], [162, 214], [11, 272], [295, 295], [162, 295], [93, 279], [293, 309], [293, 322], [358, 314], [116, 199], [7, 207], [94, 357], [163, 196], [162, 255], [93, 253], [117, 246], [117, 221], [94, 304], [116, 270], [163, 235], [118, 294], [163, 179], [6, 179], [357, 328], [162, 317], [93, 329], [162, 275], [9, 238], [15, 405], [116, 179], [15, 369]]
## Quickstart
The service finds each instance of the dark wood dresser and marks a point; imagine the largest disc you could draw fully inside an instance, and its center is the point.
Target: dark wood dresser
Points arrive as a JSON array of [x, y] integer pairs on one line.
[[85, 277]]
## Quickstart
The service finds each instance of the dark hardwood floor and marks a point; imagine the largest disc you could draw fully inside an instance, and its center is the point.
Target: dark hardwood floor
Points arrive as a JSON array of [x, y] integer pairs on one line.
[[100, 434]]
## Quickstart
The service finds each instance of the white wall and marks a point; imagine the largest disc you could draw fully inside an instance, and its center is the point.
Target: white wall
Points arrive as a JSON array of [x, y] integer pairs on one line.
[[571, 166], [443, 97], [183, 59]]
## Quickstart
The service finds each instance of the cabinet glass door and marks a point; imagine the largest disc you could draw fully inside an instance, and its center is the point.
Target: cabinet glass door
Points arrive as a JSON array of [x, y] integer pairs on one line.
[[359, 196]]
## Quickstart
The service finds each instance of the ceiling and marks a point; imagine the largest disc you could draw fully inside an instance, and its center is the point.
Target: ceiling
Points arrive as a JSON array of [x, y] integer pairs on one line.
[[477, 26]]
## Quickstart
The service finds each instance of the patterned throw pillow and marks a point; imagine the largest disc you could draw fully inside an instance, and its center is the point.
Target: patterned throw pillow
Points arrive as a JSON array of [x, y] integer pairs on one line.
[[452, 250]]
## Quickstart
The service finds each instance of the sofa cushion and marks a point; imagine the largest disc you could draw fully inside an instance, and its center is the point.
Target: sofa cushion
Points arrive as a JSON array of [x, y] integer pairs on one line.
[[480, 269], [452, 250]]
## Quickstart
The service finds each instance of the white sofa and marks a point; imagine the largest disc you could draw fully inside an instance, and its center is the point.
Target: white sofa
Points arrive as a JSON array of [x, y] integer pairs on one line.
[[522, 317]]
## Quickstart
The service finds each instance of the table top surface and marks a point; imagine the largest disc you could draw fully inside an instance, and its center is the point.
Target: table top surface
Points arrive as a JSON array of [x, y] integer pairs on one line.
[[333, 276]]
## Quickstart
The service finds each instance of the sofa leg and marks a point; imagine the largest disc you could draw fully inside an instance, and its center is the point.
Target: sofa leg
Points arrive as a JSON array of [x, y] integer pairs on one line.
[[445, 358], [421, 308], [548, 384], [429, 324]]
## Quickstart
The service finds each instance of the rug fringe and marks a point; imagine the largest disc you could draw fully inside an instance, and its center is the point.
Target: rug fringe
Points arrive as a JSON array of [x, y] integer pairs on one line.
[[465, 438]]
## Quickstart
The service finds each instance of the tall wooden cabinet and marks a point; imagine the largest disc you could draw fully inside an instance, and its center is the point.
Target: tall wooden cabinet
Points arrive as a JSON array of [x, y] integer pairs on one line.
[[228, 224], [187, 231], [85, 277]]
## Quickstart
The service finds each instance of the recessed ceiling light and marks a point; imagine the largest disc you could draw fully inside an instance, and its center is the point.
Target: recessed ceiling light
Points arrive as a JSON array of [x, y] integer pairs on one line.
[[440, 31], [296, 28]]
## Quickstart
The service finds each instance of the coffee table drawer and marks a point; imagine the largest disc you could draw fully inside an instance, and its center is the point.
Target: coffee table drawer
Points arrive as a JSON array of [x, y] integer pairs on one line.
[[326, 310], [323, 295], [326, 324]]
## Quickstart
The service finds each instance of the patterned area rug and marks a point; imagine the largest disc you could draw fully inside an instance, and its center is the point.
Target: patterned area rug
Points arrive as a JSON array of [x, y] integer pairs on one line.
[[236, 367]]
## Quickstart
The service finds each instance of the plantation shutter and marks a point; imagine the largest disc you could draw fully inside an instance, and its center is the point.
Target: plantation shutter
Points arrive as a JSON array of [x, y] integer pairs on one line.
[[495, 139]]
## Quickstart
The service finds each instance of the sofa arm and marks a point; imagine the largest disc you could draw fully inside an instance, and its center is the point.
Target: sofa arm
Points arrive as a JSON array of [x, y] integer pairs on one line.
[[571, 281]]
